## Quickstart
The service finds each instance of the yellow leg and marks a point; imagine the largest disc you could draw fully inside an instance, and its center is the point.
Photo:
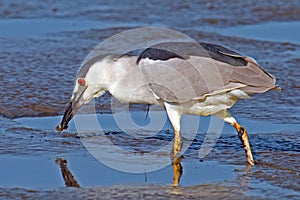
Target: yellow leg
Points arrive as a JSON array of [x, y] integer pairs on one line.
[[174, 114], [177, 144], [242, 133], [177, 170]]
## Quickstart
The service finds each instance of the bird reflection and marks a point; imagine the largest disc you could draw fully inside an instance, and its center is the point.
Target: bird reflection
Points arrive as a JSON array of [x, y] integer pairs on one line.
[[67, 175], [177, 171]]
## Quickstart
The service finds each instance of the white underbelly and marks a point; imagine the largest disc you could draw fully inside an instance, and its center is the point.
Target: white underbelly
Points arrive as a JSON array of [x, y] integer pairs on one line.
[[213, 104]]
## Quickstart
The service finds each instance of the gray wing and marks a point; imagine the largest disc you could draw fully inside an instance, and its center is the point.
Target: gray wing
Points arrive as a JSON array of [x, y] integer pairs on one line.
[[180, 71]]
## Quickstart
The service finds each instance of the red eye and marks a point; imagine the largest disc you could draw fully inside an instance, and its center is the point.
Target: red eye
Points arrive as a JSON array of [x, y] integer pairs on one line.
[[81, 82]]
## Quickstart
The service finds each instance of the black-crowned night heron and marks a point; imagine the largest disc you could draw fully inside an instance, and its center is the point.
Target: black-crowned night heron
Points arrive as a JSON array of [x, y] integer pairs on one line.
[[184, 77]]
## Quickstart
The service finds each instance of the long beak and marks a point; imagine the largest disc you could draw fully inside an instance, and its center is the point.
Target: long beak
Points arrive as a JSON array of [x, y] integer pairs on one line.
[[66, 118], [72, 108]]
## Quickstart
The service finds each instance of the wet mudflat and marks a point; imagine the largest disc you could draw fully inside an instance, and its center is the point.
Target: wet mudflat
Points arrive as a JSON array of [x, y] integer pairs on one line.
[[38, 64]]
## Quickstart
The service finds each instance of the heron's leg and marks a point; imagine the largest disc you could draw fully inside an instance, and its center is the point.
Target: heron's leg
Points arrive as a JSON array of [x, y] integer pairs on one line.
[[177, 170], [242, 133], [174, 114]]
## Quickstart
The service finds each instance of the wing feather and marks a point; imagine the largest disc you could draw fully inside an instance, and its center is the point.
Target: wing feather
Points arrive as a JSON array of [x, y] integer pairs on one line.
[[200, 70]]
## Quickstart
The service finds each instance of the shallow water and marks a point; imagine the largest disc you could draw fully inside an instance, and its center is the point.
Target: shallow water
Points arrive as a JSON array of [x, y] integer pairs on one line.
[[276, 150], [43, 173], [140, 120], [42, 46], [271, 31], [45, 27]]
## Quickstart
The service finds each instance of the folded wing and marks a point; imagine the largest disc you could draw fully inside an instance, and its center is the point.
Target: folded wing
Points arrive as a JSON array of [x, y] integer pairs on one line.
[[183, 71]]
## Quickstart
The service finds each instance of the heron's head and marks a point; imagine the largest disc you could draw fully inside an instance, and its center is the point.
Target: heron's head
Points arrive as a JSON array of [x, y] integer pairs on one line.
[[89, 84]]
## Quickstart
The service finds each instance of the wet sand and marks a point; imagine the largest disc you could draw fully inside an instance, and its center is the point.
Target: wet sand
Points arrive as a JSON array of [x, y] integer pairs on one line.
[[37, 68]]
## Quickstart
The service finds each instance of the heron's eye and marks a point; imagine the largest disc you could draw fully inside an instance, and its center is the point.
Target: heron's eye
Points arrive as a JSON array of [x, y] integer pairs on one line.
[[81, 81]]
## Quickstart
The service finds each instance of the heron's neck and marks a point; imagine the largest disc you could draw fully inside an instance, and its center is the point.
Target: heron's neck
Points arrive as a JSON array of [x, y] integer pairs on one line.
[[117, 70], [126, 82]]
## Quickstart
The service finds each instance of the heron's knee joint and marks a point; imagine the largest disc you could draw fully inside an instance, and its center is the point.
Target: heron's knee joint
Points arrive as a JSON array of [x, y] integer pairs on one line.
[[241, 131]]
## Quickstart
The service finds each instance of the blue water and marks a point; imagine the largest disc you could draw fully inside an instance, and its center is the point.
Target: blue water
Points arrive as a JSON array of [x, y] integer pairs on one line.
[[34, 172], [38, 27], [271, 31], [108, 122], [39, 173], [29, 172]]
